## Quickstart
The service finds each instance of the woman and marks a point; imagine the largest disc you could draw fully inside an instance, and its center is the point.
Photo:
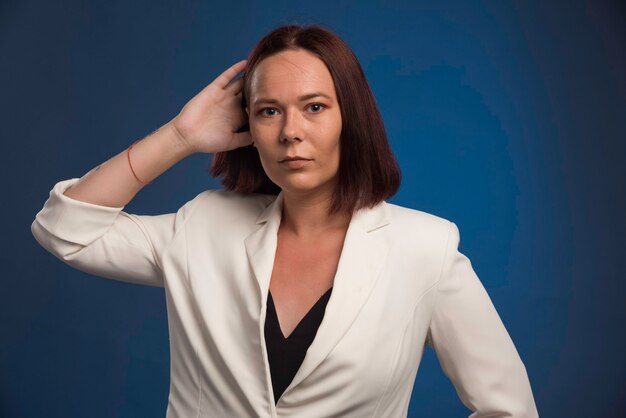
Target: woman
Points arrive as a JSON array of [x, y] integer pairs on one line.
[[297, 291]]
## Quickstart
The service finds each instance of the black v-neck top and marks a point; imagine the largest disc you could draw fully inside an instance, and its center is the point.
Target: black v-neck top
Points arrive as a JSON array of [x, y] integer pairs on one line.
[[285, 355]]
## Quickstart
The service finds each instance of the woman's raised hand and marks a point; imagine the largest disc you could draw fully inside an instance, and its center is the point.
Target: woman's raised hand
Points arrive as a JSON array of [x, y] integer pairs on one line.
[[209, 121]]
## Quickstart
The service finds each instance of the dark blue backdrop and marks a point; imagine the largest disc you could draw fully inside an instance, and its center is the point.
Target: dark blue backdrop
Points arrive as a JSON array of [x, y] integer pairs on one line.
[[507, 118]]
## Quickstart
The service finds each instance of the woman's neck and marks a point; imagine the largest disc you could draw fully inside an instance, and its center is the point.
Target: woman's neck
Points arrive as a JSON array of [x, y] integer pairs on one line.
[[306, 216]]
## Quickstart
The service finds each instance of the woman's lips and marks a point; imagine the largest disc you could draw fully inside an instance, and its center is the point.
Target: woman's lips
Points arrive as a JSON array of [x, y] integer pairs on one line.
[[294, 164]]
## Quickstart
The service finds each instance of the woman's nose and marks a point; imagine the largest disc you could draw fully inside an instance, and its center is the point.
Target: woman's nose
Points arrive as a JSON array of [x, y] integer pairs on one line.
[[292, 127]]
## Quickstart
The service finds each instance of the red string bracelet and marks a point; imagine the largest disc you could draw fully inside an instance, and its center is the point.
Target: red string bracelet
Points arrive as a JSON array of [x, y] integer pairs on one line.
[[131, 166]]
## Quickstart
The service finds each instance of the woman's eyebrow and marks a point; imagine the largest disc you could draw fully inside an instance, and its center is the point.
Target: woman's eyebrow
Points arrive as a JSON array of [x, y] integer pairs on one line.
[[301, 98]]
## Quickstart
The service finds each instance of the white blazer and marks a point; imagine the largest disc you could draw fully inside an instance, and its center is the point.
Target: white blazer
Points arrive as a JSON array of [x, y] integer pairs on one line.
[[401, 283]]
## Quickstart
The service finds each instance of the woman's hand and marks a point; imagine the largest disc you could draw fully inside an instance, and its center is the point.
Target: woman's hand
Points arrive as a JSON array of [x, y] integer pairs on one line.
[[209, 121]]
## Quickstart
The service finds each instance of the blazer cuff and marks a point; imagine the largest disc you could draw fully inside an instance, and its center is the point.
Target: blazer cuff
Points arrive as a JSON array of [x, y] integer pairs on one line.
[[73, 220]]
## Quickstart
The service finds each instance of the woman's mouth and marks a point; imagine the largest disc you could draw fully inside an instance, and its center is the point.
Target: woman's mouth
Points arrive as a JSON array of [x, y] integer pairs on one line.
[[295, 162]]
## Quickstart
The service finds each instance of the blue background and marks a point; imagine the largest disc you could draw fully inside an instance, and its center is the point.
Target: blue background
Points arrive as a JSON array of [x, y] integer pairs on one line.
[[508, 118]]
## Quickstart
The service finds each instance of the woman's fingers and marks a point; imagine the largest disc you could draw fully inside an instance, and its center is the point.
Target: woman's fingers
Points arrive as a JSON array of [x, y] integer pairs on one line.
[[235, 87], [223, 79], [207, 121]]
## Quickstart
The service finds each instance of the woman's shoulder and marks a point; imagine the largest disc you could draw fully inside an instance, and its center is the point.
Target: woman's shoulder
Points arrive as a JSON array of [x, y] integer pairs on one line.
[[407, 216], [227, 202], [419, 232], [231, 197]]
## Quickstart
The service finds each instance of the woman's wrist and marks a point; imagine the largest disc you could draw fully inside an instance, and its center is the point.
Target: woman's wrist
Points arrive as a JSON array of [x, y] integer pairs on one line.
[[176, 143]]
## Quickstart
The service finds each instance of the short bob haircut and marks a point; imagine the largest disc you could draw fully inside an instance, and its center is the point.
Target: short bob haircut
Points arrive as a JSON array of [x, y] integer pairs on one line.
[[368, 172]]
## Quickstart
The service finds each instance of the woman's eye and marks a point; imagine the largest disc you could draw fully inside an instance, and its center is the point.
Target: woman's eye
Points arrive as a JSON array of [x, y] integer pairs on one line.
[[262, 111], [317, 105]]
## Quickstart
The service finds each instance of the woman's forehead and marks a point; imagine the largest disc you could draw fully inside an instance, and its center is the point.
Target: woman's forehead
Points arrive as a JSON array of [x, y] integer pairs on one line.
[[293, 72]]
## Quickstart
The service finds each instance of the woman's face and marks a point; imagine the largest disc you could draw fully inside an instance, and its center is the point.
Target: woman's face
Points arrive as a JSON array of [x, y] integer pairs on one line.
[[293, 113]]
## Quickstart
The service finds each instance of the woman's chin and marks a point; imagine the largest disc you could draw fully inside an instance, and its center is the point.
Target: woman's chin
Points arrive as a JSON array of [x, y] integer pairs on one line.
[[304, 186], [298, 188]]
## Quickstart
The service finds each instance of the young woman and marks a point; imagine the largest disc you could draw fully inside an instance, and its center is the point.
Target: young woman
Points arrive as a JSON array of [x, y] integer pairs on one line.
[[296, 291]]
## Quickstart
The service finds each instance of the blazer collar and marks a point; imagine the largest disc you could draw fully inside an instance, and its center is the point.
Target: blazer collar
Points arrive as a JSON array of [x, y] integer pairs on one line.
[[367, 218], [362, 258]]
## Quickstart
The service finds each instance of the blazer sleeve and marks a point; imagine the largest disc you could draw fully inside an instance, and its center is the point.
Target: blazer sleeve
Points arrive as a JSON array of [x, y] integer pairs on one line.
[[104, 241], [473, 347]]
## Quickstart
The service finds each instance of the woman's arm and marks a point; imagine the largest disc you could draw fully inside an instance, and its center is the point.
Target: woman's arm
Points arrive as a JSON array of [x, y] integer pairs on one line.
[[113, 184], [207, 123], [82, 222], [106, 241], [473, 347]]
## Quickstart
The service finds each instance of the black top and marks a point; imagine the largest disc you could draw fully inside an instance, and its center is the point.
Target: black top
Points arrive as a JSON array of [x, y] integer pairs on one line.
[[285, 355]]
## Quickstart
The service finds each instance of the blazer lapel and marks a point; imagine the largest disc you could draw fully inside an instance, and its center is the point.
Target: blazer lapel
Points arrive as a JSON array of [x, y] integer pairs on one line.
[[261, 245], [362, 257]]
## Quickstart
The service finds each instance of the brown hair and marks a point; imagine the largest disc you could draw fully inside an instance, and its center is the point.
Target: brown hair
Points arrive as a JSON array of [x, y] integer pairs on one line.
[[368, 172]]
